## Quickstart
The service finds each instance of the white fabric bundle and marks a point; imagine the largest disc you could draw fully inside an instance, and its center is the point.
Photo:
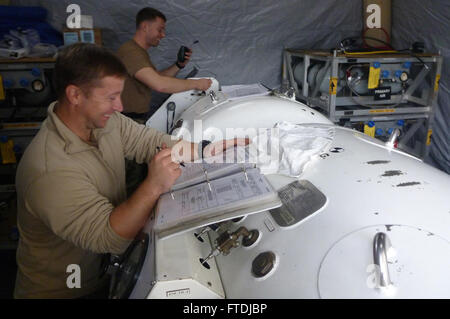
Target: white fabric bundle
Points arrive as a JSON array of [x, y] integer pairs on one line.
[[288, 147]]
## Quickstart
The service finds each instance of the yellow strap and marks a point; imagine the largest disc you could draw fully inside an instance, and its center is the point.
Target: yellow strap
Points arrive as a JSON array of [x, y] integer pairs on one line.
[[369, 130], [374, 78], [430, 132], [382, 111], [436, 82], [8, 156], [333, 86], [371, 52]]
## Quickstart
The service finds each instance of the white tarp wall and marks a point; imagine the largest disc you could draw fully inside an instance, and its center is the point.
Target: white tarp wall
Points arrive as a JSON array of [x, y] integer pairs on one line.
[[429, 22], [241, 41]]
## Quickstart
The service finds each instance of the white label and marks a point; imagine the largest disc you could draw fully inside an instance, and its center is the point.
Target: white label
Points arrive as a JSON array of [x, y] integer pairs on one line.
[[178, 293]]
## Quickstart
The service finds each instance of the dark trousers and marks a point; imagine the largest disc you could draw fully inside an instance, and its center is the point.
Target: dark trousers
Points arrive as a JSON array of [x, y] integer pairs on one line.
[[102, 293]]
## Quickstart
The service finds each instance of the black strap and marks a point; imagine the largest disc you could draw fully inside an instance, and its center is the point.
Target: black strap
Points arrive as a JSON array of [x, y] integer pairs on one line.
[[178, 65], [204, 143]]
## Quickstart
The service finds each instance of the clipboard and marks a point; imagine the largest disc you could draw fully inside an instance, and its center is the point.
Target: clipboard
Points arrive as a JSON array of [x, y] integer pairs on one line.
[[214, 200]]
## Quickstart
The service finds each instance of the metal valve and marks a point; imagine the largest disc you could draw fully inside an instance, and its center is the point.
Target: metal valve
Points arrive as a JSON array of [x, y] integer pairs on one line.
[[213, 227], [392, 141], [226, 241], [285, 92]]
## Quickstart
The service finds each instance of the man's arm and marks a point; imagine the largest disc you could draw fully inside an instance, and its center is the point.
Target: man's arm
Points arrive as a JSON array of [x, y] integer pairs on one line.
[[140, 142], [166, 84], [71, 206], [171, 71], [185, 151], [130, 216]]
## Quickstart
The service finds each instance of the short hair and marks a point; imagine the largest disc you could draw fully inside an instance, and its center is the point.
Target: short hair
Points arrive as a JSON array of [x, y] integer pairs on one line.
[[148, 14], [84, 64]]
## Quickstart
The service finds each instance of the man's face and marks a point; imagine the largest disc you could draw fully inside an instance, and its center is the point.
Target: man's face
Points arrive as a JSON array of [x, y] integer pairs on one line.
[[155, 30], [101, 102]]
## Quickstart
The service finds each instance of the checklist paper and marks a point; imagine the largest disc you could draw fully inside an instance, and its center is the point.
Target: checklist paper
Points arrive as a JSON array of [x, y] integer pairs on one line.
[[230, 196]]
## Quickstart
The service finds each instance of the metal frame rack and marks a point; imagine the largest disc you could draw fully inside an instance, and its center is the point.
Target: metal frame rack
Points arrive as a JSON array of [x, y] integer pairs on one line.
[[414, 104], [18, 77], [20, 122]]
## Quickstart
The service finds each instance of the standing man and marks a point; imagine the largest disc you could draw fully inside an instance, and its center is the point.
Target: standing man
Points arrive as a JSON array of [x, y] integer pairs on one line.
[[142, 75], [71, 197]]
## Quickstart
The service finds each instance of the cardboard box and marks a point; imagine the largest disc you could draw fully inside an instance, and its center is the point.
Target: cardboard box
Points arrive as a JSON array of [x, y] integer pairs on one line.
[[82, 35], [377, 22]]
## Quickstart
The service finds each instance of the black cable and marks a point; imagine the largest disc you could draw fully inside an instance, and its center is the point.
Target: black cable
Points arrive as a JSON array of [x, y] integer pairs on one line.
[[408, 51]]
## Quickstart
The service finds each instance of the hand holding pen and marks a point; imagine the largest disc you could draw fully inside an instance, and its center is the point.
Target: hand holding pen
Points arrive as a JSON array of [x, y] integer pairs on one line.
[[158, 149], [162, 170]]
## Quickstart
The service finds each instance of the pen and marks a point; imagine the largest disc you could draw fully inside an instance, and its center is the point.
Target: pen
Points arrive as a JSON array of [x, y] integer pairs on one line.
[[159, 150]]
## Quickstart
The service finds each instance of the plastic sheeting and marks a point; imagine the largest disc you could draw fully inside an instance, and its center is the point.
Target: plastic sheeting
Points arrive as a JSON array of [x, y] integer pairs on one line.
[[12, 18], [242, 41]]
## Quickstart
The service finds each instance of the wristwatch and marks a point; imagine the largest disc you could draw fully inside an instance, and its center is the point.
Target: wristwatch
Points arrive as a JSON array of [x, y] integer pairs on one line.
[[201, 148]]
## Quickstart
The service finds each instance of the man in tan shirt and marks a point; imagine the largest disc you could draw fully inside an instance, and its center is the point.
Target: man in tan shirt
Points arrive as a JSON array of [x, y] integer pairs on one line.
[[72, 204], [142, 75]]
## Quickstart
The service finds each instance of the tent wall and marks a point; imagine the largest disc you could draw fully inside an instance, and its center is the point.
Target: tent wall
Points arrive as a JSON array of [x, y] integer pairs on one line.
[[429, 22], [239, 41], [242, 41]]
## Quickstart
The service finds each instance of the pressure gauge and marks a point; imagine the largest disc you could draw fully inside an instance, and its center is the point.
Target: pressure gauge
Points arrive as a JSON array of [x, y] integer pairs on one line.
[[37, 85], [404, 77]]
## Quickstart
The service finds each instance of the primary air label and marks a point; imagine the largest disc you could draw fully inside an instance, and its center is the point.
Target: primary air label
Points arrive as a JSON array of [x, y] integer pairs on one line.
[[382, 93]]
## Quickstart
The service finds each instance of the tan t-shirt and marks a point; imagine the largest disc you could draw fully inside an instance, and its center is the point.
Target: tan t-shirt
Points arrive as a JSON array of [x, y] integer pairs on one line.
[[66, 191], [135, 95]]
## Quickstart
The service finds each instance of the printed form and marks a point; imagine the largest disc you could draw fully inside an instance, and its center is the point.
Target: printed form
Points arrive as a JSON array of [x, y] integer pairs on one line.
[[227, 192]]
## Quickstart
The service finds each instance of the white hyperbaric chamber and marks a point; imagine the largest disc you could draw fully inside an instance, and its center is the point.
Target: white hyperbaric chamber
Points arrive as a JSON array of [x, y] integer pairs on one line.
[[366, 189]]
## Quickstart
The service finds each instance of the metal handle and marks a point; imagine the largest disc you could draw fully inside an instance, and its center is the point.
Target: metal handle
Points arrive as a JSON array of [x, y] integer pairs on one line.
[[213, 96], [393, 138], [381, 246]]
